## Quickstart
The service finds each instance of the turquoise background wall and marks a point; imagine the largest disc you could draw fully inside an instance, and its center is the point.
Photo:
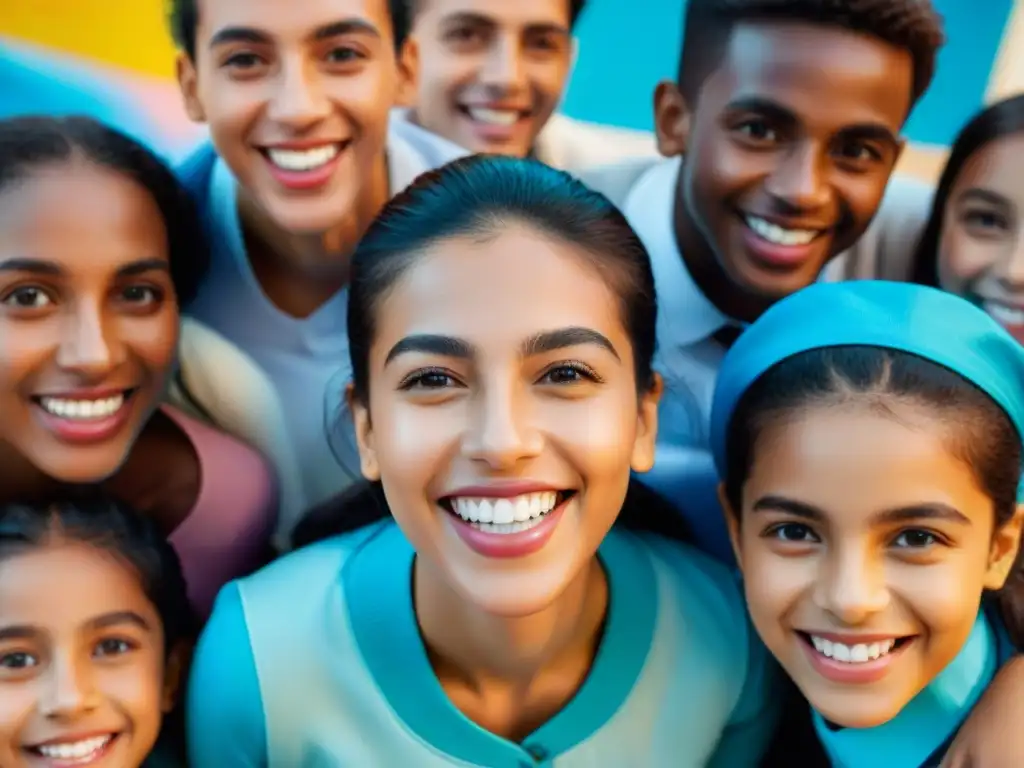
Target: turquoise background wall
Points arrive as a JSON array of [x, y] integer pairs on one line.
[[627, 46]]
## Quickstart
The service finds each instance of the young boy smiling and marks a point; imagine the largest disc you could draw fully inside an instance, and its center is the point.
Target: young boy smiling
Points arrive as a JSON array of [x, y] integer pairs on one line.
[[780, 137], [489, 76], [304, 154]]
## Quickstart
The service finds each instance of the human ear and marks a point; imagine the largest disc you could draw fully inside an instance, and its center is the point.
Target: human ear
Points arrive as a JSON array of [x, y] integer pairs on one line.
[[364, 435], [1004, 549], [671, 119], [642, 459]]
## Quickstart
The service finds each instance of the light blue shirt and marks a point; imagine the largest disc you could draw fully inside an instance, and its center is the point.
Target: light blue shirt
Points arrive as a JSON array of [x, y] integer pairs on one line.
[[318, 661], [306, 359], [931, 718]]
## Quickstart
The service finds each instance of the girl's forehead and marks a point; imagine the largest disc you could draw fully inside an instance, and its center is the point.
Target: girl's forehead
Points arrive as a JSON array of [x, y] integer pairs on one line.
[[508, 287]]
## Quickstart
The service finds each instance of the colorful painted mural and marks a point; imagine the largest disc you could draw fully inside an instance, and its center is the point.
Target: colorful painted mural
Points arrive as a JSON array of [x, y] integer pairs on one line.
[[116, 57]]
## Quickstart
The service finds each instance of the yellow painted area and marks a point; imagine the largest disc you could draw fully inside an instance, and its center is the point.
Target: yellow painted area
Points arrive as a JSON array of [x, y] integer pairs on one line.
[[132, 34]]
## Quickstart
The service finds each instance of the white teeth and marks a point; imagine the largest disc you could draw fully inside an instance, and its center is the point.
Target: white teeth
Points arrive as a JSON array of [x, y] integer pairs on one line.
[[82, 751], [852, 654], [304, 159], [512, 515], [83, 410], [502, 117], [773, 233], [1004, 314]]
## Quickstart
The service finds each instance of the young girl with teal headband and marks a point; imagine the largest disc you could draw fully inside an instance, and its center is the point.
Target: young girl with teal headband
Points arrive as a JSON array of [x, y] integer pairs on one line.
[[870, 464]]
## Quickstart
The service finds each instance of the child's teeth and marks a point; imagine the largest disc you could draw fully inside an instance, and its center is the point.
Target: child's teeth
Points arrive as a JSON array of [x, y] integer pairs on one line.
[[852, 654]]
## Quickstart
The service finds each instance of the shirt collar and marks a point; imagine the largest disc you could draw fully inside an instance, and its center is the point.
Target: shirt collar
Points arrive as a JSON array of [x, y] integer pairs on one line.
[[377, 580], [685, 315], [928, 721]]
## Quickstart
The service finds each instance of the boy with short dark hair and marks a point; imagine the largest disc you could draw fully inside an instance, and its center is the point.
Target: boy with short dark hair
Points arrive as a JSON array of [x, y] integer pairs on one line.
[[304, 153], [489, 76], [781, 133]]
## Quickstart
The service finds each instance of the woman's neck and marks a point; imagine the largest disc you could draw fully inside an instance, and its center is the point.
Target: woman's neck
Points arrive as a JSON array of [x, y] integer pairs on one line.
[[300, 273], [510, 675]]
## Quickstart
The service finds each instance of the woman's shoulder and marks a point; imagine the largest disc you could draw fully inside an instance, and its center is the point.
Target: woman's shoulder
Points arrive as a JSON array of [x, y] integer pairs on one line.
[[310, 569], [703, 591]]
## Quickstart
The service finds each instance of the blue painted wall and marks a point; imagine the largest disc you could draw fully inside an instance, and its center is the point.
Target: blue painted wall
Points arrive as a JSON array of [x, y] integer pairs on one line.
[[627, 46]]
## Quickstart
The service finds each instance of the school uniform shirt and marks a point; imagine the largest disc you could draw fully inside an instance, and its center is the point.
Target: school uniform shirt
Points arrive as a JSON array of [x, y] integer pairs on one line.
[[318, 661], [688, 356], [920, 735], [575, 145], [306, 359]]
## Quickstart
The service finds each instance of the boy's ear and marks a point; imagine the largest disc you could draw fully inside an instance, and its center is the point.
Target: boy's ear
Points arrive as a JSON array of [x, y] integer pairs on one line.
[[671, 119]]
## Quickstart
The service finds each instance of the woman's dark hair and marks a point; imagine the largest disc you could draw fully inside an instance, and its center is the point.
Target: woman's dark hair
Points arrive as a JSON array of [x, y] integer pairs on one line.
[[135, 539], [1003, 118], [478, 197], [982, 433], [30, 143]]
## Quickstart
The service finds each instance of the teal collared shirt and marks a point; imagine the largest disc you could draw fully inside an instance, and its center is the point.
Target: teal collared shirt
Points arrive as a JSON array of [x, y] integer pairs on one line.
[[917, 735], [318, 660]]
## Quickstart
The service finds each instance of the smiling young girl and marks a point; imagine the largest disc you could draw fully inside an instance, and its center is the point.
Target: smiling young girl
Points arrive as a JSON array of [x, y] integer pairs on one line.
[[972, 245], [871, 463], [95, 630], [502, 326], [99, 249]]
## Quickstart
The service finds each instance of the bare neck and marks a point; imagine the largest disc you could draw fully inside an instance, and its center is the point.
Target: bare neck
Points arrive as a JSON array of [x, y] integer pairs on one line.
[[527, 667], [301, 272]]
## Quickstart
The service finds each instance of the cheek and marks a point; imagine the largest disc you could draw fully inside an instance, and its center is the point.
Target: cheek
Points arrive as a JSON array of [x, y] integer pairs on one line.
[[944, 595], [549, 79], [154, 341], [18, 704], [774, 585], [366, 99], [595, 434], [861, 195], [136, 688], [963, 259], [230, 106], [414, 443], [25, 351]]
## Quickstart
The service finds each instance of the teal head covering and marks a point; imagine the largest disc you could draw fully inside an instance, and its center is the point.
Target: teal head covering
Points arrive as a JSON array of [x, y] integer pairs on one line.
[[922, 321]]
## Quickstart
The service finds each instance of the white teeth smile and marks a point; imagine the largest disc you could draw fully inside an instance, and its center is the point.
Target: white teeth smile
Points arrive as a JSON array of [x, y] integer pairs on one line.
[[82, 410], [303, 159], [78, 751], [852, 654], [503, 117], [773, 233], [511, 515], [1004, 314]]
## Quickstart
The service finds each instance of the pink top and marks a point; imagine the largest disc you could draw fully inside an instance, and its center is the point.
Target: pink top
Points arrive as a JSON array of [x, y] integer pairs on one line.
[[225, 535]]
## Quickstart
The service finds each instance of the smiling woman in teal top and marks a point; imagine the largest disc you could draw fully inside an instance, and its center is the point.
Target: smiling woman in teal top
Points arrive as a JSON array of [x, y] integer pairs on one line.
[[871, 462], [516, 611]]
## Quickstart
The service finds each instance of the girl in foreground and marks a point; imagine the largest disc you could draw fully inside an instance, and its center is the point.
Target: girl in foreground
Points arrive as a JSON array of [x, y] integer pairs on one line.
[[95, 629], [502, 323], [99, 250], [973, 245], [871, 463]]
